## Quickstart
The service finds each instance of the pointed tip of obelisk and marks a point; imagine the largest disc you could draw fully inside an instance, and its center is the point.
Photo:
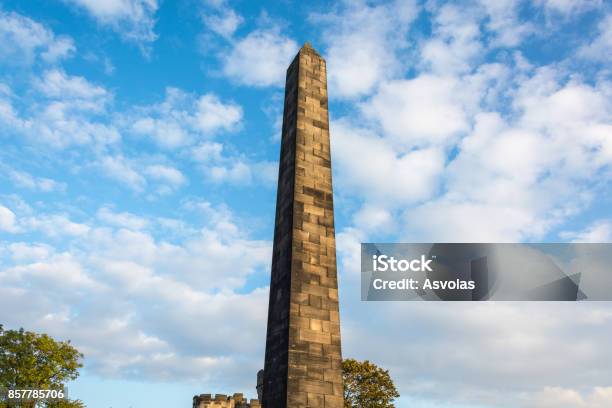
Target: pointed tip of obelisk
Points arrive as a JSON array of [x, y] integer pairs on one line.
[[309, 48]]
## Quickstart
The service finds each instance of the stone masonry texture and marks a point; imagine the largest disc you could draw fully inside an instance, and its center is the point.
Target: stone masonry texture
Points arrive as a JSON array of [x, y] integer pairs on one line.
[[303, 362], [223, 401]]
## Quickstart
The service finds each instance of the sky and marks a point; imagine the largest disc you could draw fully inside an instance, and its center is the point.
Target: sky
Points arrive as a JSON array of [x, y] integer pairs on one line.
[[138, 163]]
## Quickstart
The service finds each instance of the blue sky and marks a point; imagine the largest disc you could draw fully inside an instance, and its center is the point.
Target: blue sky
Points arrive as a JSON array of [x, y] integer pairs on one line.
[[137, 185]]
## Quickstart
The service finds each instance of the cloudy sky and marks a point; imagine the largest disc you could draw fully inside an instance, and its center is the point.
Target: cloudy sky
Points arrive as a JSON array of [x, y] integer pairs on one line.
[[139, 146]]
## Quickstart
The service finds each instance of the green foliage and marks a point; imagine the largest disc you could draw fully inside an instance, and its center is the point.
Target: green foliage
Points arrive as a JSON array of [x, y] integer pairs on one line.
[[367, 386], [31, 360]]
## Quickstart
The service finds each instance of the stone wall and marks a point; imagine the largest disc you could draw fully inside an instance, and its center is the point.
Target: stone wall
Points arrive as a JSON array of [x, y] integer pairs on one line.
[[223, 401]]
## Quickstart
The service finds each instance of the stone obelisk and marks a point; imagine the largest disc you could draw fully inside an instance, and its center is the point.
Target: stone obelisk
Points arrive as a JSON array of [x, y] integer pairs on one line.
[[303, 366]]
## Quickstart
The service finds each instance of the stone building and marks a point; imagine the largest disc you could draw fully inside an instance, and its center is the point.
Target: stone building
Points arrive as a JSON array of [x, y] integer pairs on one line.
[[223, 401]]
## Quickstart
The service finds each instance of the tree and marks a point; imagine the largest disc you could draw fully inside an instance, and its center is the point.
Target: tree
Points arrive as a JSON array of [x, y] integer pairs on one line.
[[367, 386], [31, 360]]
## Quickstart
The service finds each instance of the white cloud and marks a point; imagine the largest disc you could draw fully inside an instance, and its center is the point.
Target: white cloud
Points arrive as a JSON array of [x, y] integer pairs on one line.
[[8, 115], [166, 174], [165, 133], [467, 221], [456, 43], [601, 47], [7, 220], [23, 40], [109, 68], [504, 21], [559, 397], [123, 171], [66, 113], [568, 7], [221, 242], [158, 288], [26, 252], [372, 168], [31, 182], [599, 231], [259, 59], [225, 23], [515, 180], [101, 62], [445, 358], [362, 42], [237, 170], [142, 174], [212, 114], [545, 102], [83, 94], [219, 167], [134, 20], [497, 174], [373, 218], [184, 118], [207, 152], [427, 110], [62, 48], [58, 270], [122, 219], [61, 125], [139, 173], [56, 225]]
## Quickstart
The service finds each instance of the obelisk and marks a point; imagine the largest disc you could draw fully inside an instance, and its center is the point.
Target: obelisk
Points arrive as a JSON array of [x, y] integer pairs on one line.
[[303, 364]]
